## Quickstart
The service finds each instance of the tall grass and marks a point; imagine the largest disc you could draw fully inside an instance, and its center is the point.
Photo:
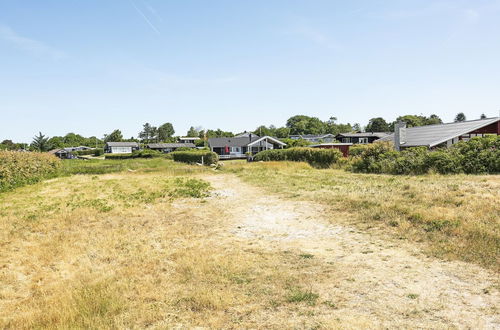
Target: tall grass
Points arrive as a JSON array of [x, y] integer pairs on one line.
[[20, 168]]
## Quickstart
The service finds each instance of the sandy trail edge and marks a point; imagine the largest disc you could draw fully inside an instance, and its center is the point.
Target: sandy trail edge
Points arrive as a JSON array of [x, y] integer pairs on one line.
[[391, 284]]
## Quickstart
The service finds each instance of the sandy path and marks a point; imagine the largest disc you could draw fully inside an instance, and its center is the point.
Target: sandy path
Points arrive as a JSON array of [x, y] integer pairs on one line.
[[390, 284]]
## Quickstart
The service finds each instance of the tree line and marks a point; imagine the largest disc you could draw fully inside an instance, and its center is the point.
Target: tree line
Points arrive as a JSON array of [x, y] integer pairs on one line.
[[295, 125]]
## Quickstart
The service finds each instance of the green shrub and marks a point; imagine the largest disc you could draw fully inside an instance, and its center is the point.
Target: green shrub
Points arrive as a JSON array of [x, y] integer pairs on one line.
[[98, 152], [146, 153], [319, 158], [357, 149], [19, 168], [476, 156], [195, 156], [184, 149]]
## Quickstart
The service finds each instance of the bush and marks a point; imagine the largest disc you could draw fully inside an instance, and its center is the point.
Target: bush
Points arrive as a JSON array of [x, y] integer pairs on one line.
[[319, 158], [146, 153], [184, 149], [98, 152], [357, 149], [476, 156], [19, 168], [195, 156]]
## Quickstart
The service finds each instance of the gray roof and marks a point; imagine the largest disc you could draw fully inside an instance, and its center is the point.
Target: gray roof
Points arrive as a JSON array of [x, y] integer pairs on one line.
[[231, 142], [365, 134], [170, 145], [122, 144], [240, 141], [312, 136], [246, 134], [433, 135]]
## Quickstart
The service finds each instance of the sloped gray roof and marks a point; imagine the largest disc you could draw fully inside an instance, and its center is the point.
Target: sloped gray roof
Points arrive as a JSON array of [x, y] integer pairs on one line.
[[231, 142], [433, 135], [312, 136], [365, 134], [122, 144], [170, 145]]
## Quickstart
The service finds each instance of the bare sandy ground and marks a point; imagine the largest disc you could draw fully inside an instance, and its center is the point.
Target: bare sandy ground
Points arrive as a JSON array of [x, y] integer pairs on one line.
[[378, 281]]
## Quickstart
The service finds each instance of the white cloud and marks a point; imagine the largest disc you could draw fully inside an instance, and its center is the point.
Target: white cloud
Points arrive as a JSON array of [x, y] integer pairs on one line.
[[33, 46]]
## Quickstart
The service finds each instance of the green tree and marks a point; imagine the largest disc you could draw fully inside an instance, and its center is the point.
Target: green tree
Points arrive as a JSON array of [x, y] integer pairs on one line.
[[192, 132], [460, 117], [57, 142], [165, 131], [302, 124], [40, 143], [148, 133], [263, 130], [356, 127], [432, 120], [115, 136], [282, 132], [377, 124]]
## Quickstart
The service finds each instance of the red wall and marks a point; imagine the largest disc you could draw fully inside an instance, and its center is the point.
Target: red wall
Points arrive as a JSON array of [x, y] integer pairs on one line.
[[343, 149], [490, 129]]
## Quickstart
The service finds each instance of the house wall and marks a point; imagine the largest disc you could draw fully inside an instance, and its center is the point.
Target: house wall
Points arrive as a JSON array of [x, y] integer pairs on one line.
[[120, 150]]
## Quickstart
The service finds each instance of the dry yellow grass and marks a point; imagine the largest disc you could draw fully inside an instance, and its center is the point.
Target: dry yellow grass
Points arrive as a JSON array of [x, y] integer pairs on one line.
[[115, 251], [148, 249], [453, 216]]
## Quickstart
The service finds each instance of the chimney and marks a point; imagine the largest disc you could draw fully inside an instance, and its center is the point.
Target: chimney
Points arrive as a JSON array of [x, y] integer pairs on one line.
[[250, 137], [399, 135]]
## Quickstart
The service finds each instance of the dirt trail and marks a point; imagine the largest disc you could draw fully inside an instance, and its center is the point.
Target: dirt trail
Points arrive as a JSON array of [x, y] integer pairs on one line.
[[387, 284]]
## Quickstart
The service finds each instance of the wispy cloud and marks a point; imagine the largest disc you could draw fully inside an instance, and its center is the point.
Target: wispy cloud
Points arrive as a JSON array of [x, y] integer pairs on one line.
[[30, 45], [146, 19]]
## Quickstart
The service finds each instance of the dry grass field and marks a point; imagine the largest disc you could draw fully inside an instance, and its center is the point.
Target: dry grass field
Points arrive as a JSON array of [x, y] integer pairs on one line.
[[254, 246]]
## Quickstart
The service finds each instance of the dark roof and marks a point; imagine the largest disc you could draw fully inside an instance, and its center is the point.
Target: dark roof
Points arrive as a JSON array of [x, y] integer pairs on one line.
[[57, 151], [330, 144], [231, 142], [122, 144], [365, 134], [246, 134], [312, 136], [432, 135], [240, 141], [170, 145]]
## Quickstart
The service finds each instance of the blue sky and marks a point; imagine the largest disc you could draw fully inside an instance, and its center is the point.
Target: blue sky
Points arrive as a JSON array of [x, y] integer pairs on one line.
[[93, 66]]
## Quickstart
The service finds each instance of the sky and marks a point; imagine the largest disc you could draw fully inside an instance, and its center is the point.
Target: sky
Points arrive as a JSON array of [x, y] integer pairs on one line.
[[93, 66]]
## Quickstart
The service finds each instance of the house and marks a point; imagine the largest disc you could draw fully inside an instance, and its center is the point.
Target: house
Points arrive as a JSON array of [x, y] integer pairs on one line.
[[120, 147], [238, 147], [361, 137], [314, 138], [169, 147], [62, 153], [444, 135], [79, 148], [188, 139], [343, 147]]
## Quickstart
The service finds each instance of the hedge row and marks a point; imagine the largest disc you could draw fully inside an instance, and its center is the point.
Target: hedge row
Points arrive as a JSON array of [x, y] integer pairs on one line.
[[479, 155], [146, 153], [19, 168], [195, 156], [319, 158], [94, 152], [192, 157]]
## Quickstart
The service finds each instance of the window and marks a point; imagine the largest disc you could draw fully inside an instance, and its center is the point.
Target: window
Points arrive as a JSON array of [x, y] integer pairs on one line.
[[363, 140], [236, 150]]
